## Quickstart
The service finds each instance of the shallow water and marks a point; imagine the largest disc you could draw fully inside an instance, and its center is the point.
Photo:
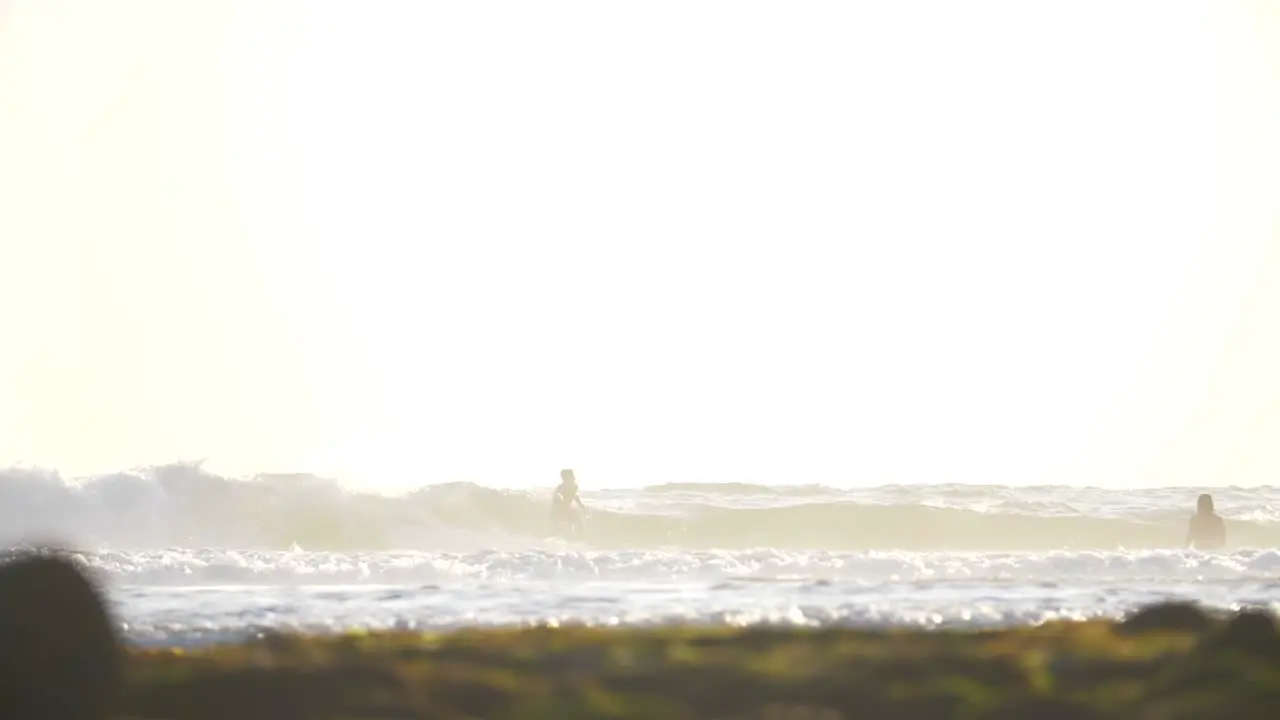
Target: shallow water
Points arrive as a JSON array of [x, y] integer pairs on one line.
[[196, 597]]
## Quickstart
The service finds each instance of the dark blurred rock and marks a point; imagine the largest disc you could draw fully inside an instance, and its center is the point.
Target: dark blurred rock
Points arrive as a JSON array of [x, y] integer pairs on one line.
[[59, 655], [1251, 632], [1167, 617]]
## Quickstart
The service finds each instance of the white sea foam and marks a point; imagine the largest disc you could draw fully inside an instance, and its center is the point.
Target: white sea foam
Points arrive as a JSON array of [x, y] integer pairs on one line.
[[186, 567], [191, 597]]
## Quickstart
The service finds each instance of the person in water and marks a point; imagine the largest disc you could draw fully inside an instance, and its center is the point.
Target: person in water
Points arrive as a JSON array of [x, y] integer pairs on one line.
[[1206, 530], [562, 501]]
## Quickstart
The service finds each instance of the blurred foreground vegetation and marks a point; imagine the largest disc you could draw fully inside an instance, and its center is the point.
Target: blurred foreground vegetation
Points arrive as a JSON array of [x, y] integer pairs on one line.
[[1166, 662]]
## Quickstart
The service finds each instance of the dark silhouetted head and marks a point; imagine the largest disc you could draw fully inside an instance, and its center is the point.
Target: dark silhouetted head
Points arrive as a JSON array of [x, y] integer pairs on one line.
[[566, 477], [1205, 504], [59, 655]]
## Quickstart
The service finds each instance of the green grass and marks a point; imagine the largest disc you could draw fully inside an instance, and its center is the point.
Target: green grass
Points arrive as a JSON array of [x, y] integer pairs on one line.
[[1065, 670]]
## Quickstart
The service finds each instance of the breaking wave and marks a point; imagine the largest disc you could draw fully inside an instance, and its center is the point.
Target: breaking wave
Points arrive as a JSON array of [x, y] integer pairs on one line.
[[187, 506]]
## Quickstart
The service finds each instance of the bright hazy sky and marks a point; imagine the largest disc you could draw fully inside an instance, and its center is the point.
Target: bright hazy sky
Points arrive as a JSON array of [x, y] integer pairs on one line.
[[845, 242]]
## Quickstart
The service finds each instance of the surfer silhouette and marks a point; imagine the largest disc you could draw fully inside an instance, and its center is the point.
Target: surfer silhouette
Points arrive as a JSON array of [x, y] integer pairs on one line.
[[1206, 531], [562, 512]]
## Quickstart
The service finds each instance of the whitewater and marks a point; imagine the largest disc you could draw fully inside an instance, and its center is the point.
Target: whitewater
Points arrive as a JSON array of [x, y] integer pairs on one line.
[[190, 557]]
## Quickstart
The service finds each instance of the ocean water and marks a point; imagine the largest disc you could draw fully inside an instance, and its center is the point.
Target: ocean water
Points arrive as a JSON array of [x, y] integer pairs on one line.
[[189, 557]]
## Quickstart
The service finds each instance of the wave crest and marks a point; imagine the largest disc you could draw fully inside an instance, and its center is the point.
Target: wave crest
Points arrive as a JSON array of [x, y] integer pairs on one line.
[[187, 506]]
